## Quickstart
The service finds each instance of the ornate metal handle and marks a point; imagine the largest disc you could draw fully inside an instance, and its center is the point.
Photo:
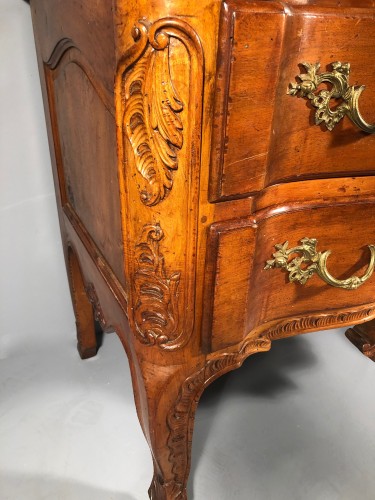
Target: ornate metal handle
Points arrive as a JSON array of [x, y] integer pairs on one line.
[[339, 79], [314, 262]]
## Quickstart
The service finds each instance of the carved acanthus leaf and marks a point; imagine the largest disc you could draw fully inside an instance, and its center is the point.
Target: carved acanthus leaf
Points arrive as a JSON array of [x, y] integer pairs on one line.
[[156, 294], [152, 122]]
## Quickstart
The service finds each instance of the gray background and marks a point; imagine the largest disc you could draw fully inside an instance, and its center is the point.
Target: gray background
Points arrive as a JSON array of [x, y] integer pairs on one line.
[[295, 423]]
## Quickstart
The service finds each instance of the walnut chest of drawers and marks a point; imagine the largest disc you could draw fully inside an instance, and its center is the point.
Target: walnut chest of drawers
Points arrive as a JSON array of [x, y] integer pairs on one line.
[[214, 166]]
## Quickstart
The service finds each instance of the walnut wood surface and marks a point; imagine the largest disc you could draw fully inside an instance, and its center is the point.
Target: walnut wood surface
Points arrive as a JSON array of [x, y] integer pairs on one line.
[[179, 163]]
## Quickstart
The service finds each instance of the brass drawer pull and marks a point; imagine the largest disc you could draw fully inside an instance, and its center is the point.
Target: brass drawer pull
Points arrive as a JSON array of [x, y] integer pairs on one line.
[[339, 79], [314, 262]]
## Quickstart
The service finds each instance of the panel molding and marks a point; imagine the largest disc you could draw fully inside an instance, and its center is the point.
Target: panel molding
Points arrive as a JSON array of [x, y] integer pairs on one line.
[[66, 52]]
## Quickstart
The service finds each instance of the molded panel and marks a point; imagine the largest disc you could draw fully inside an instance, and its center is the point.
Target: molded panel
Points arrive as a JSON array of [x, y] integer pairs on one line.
[[85, 145]]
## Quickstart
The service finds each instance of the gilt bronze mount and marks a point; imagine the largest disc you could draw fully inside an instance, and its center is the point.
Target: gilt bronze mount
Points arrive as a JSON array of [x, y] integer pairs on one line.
[[338, 78], [308, 261]]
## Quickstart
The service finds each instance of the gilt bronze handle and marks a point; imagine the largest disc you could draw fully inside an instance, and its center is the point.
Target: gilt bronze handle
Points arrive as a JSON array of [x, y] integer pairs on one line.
[[309, 262], [339, 79]]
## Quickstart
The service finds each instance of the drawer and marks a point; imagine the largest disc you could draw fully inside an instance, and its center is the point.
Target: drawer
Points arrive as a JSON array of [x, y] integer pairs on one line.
[[247, 297], [248, 61], [301, 149], [262, 135]]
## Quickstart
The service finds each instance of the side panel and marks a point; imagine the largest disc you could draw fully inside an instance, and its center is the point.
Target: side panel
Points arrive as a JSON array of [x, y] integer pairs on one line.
[[88, 23], [78, 68]]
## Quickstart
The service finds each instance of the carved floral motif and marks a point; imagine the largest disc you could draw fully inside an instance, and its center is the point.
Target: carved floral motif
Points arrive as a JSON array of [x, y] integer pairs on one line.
[[159, 132], [156, 312]]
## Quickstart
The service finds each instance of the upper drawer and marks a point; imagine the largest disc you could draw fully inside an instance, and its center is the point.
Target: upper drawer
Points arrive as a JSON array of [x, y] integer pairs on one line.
[[250, 42], [263, 135]]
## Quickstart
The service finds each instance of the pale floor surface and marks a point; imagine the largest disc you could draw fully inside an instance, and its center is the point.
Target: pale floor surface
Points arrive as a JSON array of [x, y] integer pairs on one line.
[[295, 423]]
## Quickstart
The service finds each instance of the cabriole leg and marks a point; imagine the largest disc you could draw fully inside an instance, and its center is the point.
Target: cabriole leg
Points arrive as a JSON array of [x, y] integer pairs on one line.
[[171, 396]]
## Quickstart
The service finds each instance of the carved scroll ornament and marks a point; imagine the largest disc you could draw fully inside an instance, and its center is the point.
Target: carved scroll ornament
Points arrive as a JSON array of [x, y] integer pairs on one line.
[[156, 312], [152, 107]]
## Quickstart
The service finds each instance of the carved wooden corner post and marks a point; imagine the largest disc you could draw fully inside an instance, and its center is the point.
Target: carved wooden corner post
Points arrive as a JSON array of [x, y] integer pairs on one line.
[[159, 104]]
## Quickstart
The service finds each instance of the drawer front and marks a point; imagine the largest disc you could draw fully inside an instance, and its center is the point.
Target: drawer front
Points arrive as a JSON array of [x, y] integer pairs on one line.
[[247, 71], [301, 149], [263, 135], [346, 231], [227, 282], [247, 297]]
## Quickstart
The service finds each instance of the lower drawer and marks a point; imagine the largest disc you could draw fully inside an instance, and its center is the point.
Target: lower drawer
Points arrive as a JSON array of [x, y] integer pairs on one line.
[[243, 295]]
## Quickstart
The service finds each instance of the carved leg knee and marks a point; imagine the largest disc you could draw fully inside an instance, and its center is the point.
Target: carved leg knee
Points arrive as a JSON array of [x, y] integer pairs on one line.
[[86, 336], [363, 337]]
